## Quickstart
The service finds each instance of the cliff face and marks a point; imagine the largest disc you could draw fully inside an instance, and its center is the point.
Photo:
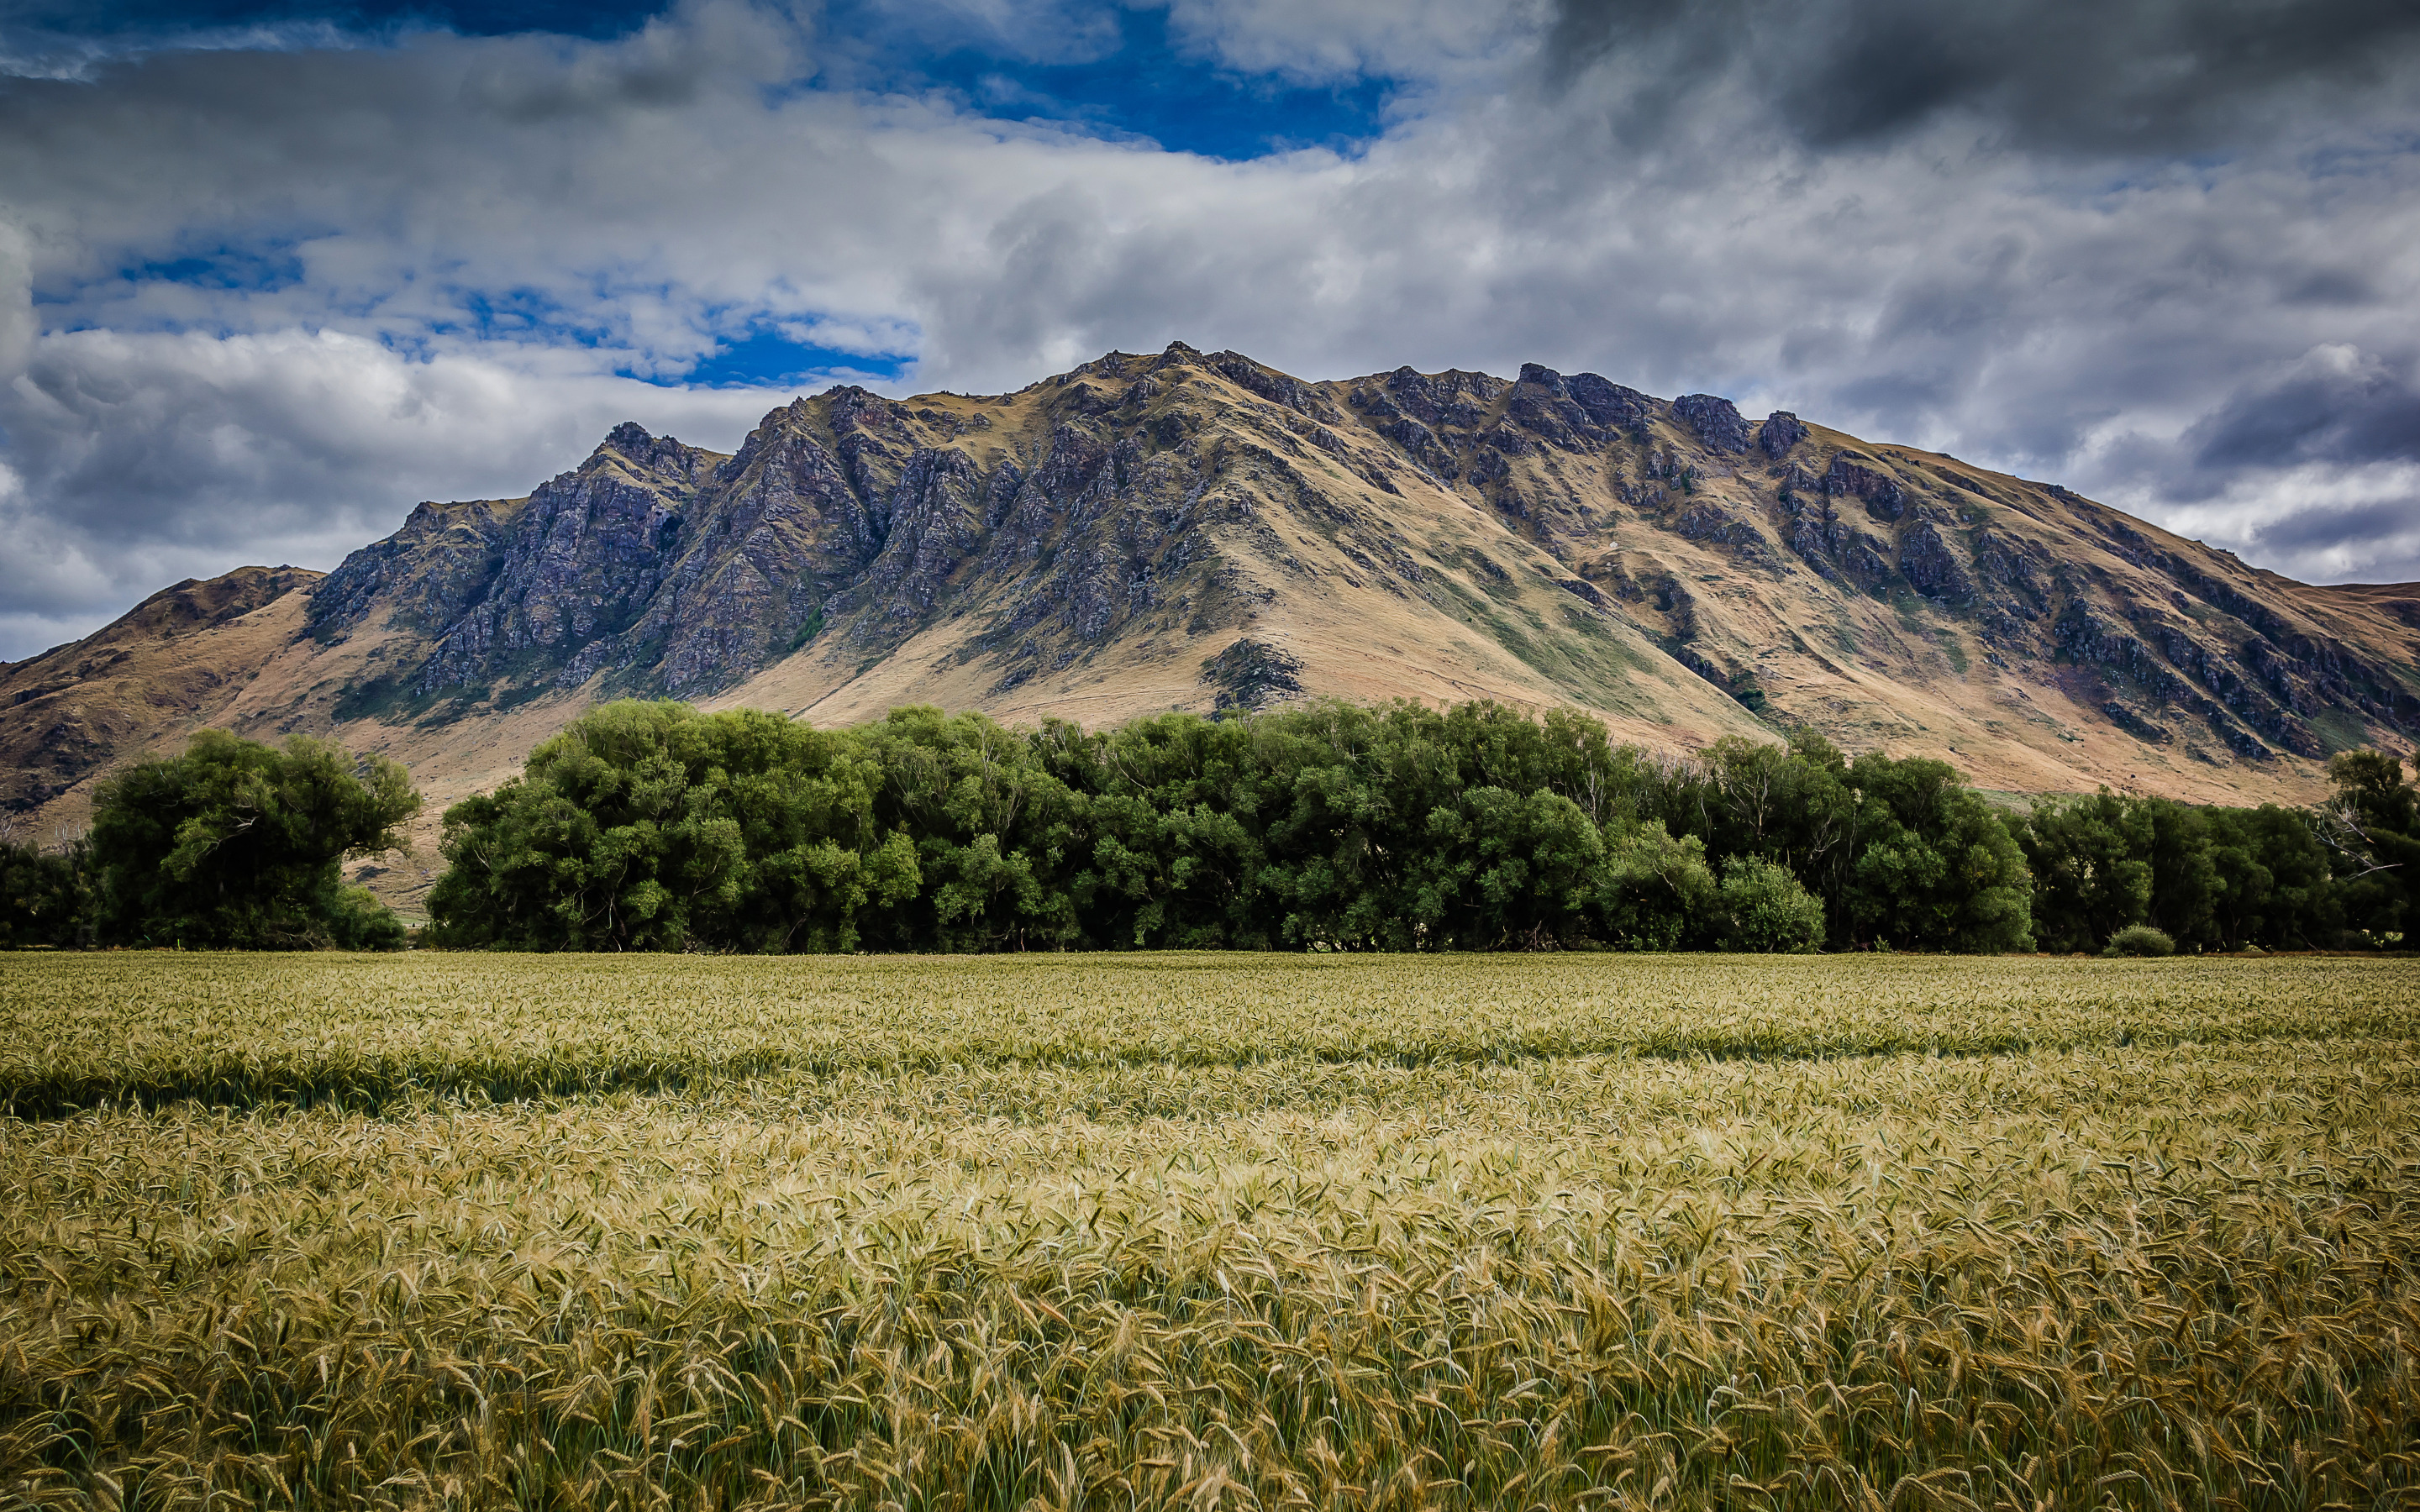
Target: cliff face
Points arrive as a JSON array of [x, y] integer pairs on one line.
[[1183, 529]]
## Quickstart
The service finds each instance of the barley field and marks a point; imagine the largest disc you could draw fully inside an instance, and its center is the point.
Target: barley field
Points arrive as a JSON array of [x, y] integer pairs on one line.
[[1208, 1231]]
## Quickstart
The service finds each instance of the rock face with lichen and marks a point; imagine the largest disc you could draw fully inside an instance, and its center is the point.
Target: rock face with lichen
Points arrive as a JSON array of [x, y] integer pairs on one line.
[[1187, 529]]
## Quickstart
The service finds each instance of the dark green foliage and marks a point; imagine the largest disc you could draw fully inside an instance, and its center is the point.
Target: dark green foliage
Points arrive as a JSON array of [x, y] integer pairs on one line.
[[1657, 892], [2224, 879], [1900, 853], [1935, 869], [2373, 828], [2275, 888], [1325, 825], [41, 897], [2091, 868], [652, 827], [236, 844]]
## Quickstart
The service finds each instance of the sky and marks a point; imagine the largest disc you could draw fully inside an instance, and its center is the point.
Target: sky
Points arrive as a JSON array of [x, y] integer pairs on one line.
[[273, 270]]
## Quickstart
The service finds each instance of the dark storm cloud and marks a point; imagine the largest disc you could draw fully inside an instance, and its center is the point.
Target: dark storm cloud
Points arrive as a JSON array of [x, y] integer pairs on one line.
[[2340, 412], [2129, 75], [2354, 526]]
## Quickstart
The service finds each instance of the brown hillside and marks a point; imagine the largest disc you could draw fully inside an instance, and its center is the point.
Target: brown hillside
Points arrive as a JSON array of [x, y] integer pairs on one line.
[[1190, 531], [173, 661]]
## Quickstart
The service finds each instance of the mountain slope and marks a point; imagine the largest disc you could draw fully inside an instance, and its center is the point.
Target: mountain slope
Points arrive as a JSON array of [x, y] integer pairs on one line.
[[177, 658], [1190, 530]]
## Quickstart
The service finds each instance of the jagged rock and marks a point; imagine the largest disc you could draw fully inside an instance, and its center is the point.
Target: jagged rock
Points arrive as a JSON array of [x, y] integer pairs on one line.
[[1780, 431], [2135, 725], [1864, 560], [1932, 565], [1452, 400], [1248, 674], [1713, 523], [428, 574], [1542, 405], [1854, 473], [1609, 403], [578, 564], [1716, 420]]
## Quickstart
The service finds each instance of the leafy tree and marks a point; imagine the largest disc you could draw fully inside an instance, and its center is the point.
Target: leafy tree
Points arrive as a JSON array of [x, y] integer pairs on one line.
[[1323, 825], [1657, 892], [2185, 886], [1176, 844], [237, 844], [649, 825], [1521, 869], [998, 838], [2274, 889], [1935, 869], [2090, 861], [2372, 823]]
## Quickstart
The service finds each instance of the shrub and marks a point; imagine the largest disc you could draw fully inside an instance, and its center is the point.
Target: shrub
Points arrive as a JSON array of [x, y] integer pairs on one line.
[[1657, 893], [1766, 909], [2140, 939]]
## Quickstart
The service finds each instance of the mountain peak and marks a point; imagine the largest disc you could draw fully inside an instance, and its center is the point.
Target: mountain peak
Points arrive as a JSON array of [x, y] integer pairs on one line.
[[1184, 530]]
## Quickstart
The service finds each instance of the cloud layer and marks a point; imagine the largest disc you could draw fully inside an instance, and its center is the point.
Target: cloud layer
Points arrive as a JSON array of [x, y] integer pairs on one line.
[[255, 302]]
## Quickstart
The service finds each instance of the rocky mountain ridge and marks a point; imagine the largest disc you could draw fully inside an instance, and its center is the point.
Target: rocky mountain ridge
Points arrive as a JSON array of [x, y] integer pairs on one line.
[[1190, 530]]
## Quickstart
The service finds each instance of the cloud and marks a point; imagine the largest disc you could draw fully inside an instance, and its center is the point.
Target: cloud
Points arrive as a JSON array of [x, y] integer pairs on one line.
[[141, 460], [254, 304], [1344, 40], [2338, 404], [2161, 75]]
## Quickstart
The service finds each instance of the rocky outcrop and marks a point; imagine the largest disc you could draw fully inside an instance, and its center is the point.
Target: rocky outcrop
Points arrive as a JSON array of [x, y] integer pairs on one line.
[[426, 575], [1854, 473], [1718, 423], [1933, 566], [1780, 432], [1250, 676]]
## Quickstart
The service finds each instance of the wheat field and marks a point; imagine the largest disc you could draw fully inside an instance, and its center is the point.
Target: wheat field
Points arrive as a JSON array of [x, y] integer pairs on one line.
[[1208, 1231]]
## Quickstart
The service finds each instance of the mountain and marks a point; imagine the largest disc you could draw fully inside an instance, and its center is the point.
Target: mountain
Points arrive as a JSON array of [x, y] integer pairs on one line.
[[1192, 530]]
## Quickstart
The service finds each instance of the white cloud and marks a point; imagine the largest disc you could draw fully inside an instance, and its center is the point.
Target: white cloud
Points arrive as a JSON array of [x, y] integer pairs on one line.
[[1414, 40]]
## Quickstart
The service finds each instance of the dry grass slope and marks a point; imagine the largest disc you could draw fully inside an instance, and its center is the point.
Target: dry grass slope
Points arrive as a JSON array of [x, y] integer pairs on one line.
[[1571, 1232]]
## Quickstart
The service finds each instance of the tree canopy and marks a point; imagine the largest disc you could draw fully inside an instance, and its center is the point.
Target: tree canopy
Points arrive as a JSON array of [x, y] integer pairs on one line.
[[239, 844], [1322, 825], [1325, 825]]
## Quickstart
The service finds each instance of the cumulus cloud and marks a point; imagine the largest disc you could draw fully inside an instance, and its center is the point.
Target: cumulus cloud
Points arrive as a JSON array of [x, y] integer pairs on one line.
[[255, 303]]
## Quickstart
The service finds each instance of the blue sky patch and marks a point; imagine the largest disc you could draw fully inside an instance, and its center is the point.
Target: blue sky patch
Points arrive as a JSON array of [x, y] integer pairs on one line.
[[241, 270], [1135, 80], [766, 358], [1149, 87]]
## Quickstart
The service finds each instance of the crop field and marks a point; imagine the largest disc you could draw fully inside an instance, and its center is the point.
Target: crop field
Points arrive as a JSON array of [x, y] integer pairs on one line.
[[441, 1230]]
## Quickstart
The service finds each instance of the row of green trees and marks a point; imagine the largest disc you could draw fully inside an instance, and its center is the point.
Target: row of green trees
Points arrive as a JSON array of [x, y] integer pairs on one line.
[[1330, 826]]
